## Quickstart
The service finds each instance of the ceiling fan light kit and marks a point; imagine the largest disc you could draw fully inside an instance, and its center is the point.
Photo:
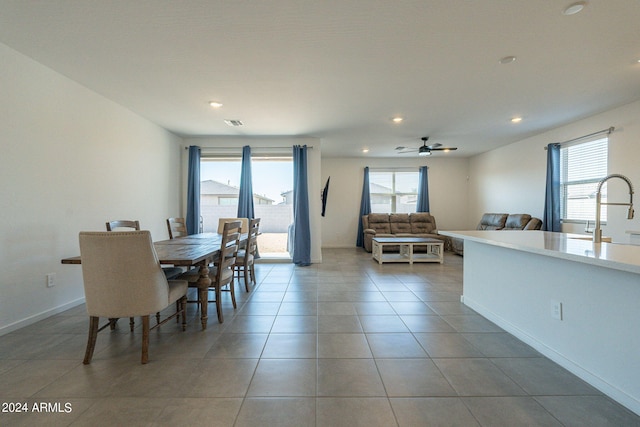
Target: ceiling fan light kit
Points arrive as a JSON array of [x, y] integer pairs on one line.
[[424, 151]]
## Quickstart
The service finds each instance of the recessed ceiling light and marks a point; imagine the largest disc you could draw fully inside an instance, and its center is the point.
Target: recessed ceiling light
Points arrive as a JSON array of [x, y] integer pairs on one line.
[[365, 150], [397, 120], [574, 8], [507, 59], [215, 104], [516, 119]]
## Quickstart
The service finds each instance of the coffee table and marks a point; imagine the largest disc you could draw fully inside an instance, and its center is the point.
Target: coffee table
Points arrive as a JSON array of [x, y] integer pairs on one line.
[[434, 249]]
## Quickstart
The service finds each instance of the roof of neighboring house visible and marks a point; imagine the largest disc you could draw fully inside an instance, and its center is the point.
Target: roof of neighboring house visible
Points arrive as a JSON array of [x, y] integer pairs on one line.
[[215, 188]]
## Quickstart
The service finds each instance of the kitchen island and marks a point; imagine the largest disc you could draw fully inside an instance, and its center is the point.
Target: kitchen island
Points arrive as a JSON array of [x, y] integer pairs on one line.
[[576, 302]]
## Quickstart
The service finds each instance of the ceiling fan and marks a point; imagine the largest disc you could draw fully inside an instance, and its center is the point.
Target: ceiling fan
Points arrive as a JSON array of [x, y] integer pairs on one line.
[[425, 150]]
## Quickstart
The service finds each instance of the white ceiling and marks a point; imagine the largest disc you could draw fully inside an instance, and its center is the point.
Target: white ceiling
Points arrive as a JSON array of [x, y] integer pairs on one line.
[[339, 70]]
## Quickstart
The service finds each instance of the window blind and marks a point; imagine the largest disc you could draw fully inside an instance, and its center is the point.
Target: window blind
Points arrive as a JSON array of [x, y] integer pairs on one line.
[[582, 166]]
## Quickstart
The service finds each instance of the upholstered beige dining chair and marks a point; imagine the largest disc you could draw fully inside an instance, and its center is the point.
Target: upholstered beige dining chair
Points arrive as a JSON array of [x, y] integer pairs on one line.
[[246, 257], [170, 271], [221, 272], [123, 278]]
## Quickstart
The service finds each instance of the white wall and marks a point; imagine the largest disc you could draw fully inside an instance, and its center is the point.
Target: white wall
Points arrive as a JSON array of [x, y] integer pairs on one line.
[[71, 160], [447, 193], [512, 179], [274, 146]]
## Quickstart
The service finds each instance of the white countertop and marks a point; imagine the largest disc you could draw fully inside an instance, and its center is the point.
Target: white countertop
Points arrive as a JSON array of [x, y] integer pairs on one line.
[[559, 245]]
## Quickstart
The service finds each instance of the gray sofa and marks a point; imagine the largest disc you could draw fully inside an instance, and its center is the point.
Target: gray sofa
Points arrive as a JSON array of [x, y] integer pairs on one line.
[[421, 224], [500, 221]]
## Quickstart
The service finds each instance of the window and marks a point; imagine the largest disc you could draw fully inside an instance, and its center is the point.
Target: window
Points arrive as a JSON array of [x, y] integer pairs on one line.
[[393, 191], [582, 166]]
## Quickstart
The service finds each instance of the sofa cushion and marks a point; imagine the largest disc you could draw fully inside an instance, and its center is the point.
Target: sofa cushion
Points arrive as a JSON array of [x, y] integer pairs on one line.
[[379, 223], [422, 223], [517, 221], [399, 223], [492, 221], [533, 224]]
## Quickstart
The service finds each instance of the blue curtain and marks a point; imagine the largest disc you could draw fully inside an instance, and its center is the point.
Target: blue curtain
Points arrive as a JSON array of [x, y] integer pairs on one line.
[[551, 219], [245, 198], [365, 207], [193, 191], [423, 190], [301, 229]]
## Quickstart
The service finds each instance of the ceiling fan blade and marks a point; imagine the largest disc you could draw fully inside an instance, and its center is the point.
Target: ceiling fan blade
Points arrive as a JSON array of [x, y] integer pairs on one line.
[[444, 149], [401, 149], [434, 146]]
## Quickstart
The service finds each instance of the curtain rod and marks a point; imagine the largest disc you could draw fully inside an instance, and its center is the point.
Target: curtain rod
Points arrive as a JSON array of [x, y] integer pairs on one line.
[[309, 147], [607, 131]]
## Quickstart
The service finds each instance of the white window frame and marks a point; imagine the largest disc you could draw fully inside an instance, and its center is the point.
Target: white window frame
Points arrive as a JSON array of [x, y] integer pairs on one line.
[[582, 165], [394, 194]]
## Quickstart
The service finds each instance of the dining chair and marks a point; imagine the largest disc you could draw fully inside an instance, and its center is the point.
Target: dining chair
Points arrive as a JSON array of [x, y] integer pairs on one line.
[[123, 223], [243, 229], [170, 272], [123, 278], [221, 272], [246, 257], [177, 227]]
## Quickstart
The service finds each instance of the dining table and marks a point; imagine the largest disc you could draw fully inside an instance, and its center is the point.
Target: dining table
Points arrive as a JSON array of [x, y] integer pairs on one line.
[[195, 250]]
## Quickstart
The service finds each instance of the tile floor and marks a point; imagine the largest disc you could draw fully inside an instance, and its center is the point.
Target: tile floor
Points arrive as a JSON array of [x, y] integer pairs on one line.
[[344, 343]]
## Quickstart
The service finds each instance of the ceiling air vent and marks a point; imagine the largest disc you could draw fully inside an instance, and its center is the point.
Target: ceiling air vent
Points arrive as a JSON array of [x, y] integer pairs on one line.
[[233, 122]]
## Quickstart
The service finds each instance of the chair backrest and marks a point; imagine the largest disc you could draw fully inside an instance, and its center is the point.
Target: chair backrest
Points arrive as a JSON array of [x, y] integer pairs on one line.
[[123, 223], [243, 229], [252, 239], [121, 273], [177, 227], [228, 252]]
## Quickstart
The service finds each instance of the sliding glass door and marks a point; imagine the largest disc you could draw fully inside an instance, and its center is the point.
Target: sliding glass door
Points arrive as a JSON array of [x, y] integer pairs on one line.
[[272, 197]]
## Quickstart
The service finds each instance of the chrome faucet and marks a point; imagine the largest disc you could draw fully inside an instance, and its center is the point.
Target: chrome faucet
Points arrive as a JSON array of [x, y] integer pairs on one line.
[[597, 232]]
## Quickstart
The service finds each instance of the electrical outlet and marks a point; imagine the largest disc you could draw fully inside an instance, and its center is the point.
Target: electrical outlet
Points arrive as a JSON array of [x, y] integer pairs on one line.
[[51, 280], [556, 309]]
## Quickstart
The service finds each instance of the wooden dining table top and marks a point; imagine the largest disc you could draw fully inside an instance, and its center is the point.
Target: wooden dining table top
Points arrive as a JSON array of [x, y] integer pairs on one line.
[[181, 251]]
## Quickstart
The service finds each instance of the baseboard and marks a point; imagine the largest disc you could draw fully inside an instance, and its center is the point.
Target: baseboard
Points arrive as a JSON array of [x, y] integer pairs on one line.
[[615, 393], [40, 316]]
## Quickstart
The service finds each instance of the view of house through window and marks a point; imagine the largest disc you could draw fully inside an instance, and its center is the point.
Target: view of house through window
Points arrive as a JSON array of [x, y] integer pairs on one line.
[[393, 191], [272, 197], [582, 166]]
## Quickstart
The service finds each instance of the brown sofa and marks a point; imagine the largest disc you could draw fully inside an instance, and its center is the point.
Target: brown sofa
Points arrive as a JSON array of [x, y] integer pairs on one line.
[[421, 224], [500, 221]]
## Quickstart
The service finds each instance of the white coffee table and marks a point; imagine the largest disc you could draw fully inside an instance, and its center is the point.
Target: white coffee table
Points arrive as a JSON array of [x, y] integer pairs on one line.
[[434, 249]]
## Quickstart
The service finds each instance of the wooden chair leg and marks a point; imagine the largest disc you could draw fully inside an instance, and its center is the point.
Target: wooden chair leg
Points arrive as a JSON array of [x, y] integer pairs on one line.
[[219, 304], [232, 289], [112, 323], [183, 303], [253, 274], [91, 341], [132, 323], [246, 278], [157, 318], [145, 339]]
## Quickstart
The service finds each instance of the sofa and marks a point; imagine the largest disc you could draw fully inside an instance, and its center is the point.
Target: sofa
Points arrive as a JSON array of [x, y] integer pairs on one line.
[[500, 221], [420, 224]]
